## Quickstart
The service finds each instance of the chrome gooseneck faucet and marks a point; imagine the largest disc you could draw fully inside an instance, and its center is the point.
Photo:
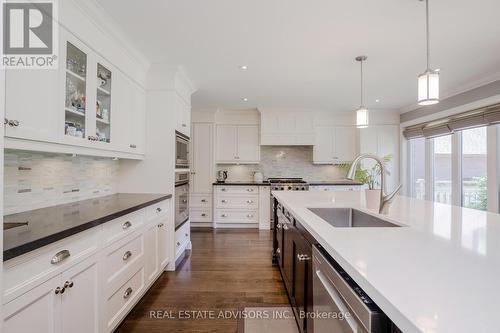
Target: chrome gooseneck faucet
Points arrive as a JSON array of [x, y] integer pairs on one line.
[[385, 199]]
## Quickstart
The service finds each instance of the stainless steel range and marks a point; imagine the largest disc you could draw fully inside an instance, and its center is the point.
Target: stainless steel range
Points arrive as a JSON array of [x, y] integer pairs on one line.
[[285, 184], [288, 184]]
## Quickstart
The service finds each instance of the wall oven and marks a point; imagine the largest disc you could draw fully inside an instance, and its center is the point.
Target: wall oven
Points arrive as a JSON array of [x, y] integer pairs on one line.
[[181, 151], [181, 200]]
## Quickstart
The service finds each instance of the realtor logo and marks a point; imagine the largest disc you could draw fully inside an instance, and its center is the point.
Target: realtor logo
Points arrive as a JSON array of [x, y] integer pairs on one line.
[[29, 35]]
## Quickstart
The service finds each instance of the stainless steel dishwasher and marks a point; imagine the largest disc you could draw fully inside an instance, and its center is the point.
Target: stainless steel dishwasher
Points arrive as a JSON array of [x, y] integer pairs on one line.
[[339, 304]]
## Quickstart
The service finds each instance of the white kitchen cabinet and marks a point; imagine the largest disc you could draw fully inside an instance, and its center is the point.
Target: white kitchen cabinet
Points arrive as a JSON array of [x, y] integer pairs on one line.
[[382, 140], [31, 101], [287, 128], [80, 301], [129, 118], [334, 144], [38, 310], [202, 158], [237, 144], [183, 115], [68, 302], [151, 252]]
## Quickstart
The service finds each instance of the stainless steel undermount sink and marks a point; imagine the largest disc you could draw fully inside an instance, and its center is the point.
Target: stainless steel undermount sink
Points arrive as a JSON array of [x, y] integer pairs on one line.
[[350, 218]]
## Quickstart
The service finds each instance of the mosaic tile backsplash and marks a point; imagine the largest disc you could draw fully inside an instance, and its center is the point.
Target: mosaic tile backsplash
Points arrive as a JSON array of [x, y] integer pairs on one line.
[[284, 161], [36, 180]]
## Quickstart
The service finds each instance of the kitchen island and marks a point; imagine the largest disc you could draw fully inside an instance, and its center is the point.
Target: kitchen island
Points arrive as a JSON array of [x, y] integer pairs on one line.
[[435, 273]]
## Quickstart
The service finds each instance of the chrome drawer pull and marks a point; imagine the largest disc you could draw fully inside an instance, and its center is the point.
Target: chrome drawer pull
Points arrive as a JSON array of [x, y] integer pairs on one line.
[[127, 293], [203, 200], [68, 284], [250, 216], [249, 201], [178, 244], [184, 201], [223, 189], [59, 290], [60, 256], [127, 255], [133, 146], [250, 189], [303, 257], [223, 201], [158, 210], [223, 215], [203, 215], [160, 225], [126, 225]]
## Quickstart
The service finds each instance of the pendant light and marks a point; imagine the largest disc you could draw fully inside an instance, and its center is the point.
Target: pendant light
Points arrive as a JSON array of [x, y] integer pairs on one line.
[[361, 112], [428, 81]]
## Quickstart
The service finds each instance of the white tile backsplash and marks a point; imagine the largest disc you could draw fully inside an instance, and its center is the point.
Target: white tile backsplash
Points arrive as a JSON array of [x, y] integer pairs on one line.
[[284, 161], [36, 180]]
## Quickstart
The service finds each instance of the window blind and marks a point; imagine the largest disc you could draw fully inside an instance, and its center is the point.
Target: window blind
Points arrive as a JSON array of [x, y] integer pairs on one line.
[[476, 118]]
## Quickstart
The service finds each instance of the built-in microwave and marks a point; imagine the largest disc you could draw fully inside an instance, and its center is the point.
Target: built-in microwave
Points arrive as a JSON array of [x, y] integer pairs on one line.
[[181, 151]]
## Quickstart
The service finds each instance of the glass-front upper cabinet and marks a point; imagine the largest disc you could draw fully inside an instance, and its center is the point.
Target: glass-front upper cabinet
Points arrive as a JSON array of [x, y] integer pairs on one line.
[[103, 104], [75, 92]]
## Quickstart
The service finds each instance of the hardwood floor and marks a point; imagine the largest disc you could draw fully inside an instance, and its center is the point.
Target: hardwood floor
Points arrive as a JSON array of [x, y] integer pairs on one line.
[[226, 271]]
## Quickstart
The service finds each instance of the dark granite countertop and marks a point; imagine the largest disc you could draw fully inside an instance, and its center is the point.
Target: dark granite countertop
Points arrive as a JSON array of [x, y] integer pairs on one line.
[[244, 183], [336, 182], [48, 225]]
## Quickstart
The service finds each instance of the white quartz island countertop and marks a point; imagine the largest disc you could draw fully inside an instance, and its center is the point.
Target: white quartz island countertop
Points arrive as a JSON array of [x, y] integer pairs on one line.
[[437, 274]]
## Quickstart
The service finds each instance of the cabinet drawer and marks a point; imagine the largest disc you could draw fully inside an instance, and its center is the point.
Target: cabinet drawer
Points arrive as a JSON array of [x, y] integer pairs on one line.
[[123, 226], [119, 258], [182, 235], [158, 209], [236, 216], [246, 202], [236, 189], [22, 273], [200, 201], [200, 215], [118, 303]]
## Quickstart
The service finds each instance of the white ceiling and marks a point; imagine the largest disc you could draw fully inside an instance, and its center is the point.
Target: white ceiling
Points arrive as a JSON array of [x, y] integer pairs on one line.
[[300, 53]]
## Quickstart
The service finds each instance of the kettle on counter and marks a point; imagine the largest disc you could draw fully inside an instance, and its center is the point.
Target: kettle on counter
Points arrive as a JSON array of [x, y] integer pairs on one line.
[[221, 176]]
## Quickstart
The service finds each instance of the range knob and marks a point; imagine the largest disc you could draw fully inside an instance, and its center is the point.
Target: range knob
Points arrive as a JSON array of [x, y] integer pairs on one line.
[[281, 188], [289, 187], [303, 188]]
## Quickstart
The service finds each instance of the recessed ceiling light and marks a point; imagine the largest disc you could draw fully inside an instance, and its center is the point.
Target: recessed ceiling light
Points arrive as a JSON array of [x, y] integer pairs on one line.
[[243, 67], [244, 99], [377, 100]]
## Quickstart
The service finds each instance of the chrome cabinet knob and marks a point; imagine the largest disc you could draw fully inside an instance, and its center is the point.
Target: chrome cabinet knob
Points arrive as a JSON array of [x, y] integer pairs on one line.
[[250, 216], [178, 244], [158, 210], [223, 201], [160, 225], [203, 215], [249, 189], [249, 201], [133, 146], [13, 123], [59, 290], [127, 293], [126, 225], [223, 189], [127, 255], [186, 235], [278, 251], [184, 125], [68, 284], [203, 200], [184, 201], [223, 215]]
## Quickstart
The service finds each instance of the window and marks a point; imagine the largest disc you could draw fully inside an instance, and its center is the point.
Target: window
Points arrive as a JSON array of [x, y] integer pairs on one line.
[[417, 168], [442, 172], [474, 160]]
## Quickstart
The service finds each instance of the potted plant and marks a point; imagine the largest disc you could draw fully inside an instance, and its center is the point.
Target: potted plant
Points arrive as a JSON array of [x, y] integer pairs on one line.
[[371, 177]]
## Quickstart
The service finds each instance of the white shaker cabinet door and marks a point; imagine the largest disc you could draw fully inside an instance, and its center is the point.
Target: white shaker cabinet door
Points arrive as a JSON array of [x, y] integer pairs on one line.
[[323, 150], [202, 157], [164, 243], [248, 144], [80, 301], [226, 144], [151, 252], [38, 310], [345, 144], [31, 104]]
